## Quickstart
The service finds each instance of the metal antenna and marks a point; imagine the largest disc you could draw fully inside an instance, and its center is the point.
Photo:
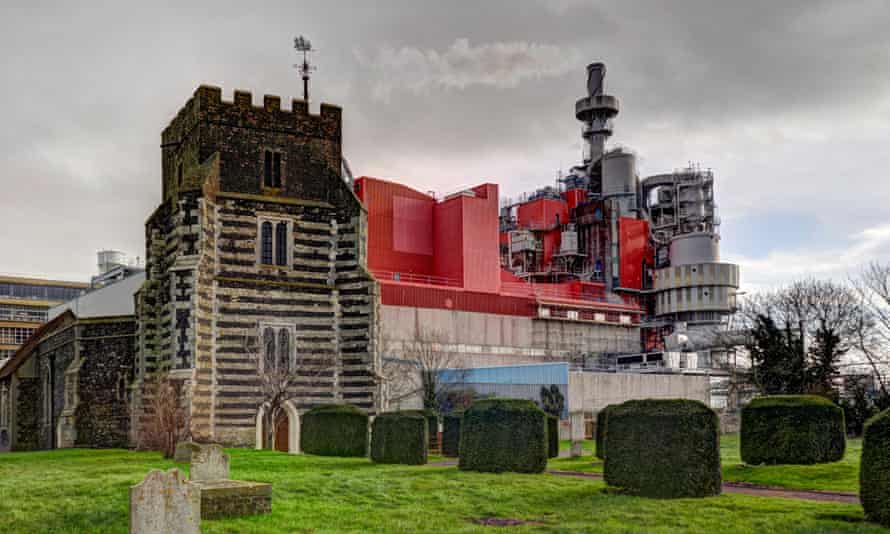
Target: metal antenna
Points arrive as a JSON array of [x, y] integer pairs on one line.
[[301, 44]]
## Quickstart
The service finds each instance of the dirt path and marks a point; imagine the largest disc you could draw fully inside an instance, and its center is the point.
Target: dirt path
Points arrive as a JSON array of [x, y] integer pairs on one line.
[[752, 489], [728, 487]]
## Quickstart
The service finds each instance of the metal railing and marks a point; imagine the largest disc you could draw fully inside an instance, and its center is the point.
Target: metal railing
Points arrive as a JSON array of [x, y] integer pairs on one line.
[[542, 291], [415, 278]]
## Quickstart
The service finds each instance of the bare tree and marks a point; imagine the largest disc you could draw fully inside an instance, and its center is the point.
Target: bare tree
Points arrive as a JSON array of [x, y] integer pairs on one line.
[[280, 370], [822, 320], [415, 367], [872, 286], [166, 420]]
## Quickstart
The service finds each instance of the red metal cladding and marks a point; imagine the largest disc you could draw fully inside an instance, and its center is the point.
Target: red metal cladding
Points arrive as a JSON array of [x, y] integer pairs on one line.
[[480, 251], [417, 296], [574, 197], [448, 239], [509, 277], [542, 214], [552, 240], [412, 230], [395, 240], [633, 246]]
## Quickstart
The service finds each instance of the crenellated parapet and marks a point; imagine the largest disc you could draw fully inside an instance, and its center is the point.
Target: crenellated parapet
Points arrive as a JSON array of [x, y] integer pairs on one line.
[[207, 104], [263, 148]]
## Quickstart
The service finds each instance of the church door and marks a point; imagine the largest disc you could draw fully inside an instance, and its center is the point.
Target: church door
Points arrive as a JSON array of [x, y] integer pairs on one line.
[[282, 432]]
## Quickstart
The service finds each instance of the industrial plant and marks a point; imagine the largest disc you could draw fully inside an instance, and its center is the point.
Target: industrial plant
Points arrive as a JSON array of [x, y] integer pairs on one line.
[[607, 270]]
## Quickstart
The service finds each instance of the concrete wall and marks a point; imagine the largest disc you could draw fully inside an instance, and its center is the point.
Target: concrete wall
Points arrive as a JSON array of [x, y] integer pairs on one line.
[[479, 338], [485, 339], [591, 392]]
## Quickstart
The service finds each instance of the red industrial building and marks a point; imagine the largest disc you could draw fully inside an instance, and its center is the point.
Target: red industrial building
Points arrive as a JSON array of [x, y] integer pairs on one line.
[[429, 253]]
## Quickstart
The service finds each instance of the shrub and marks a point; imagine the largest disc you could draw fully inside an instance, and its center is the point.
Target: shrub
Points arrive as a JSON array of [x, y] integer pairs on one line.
[[552, 436], [601, 423], [334, 430], [398, 438], [665, 448], [792, 429], [874, 469], [451, 435], [432, 424], [500, 435]]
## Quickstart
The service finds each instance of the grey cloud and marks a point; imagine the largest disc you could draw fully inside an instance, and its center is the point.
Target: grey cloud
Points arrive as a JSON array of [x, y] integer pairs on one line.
[[462, 65], [788, 101]]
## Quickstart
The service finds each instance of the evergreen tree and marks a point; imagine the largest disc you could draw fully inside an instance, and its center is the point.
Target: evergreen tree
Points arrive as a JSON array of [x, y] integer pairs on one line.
[[552, 400], [777, 361]]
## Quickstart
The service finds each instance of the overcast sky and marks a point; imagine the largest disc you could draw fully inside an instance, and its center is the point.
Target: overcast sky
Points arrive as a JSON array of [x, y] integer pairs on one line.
[[788, 102]]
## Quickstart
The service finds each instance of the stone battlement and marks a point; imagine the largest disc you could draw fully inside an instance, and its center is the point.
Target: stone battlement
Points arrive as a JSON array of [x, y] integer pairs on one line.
[[207, 104]]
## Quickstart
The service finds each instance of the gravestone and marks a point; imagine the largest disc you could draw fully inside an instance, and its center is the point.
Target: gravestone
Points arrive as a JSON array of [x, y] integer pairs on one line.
[[234, 498], [184, 451], [209, 462], [577, 433], [165, 503]]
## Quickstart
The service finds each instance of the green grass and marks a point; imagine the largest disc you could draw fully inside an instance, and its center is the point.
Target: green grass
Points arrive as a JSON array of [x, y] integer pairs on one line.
[[835, 476], [86, 491]]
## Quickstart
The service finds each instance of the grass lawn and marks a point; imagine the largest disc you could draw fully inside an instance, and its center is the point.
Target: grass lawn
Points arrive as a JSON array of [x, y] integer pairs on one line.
[[86, 491], [837, 476]]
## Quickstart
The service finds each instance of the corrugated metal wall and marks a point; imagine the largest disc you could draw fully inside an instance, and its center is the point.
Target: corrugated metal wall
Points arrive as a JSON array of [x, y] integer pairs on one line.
[[512, 381], [401, 294], [379, 197], [633, 243], [541, 214], [540, 374]]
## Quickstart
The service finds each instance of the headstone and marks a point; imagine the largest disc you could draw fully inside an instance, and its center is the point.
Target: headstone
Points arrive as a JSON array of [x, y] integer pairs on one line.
[[209, 462], [577, 433], [184, 451], [165, 503], [234, 498]]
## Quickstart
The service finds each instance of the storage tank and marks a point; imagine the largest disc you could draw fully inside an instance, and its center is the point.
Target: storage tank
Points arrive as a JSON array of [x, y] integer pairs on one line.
[[701, 247], [619, 174]]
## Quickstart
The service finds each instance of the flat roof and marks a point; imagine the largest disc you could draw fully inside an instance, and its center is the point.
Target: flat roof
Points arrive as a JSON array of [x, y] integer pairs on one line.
[[4, 279]]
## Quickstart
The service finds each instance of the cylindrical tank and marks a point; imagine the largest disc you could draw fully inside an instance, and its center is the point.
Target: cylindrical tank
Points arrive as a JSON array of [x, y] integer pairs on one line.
[[700, 247], [619, 174]]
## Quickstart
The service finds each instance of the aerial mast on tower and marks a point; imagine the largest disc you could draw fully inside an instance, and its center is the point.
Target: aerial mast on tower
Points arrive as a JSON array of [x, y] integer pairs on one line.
[[301, 44]]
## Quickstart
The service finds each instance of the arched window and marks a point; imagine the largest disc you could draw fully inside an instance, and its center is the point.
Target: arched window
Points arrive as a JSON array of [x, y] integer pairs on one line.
[[283, 350], [266, 243], [269, 345], [281, 243]]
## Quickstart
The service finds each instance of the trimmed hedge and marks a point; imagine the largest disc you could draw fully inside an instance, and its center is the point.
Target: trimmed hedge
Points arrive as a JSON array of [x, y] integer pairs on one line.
[[398, 438], [792, 429], [664, 448], [552, 436], [432, 424], [451, 435], [334, 430], [601, 422], [500, 435], [874, 469]]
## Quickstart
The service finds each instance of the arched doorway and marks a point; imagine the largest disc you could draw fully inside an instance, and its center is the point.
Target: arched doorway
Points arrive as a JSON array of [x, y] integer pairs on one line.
[[282, 442], [287, 435]]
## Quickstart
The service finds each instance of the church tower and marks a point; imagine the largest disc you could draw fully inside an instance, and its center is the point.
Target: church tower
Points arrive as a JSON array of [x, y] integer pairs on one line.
[[258, 245]]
